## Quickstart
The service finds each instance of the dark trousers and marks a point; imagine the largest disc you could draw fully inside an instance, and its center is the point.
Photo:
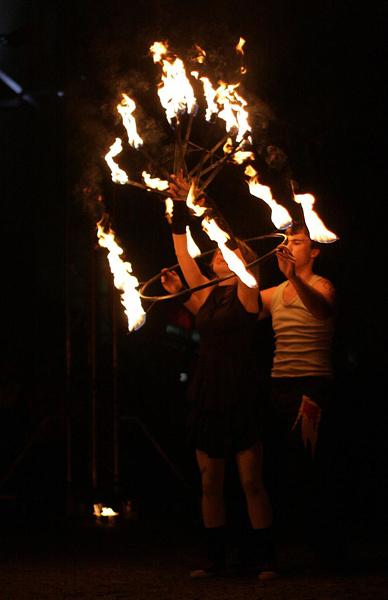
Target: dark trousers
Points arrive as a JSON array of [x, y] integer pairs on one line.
[[300, 485]]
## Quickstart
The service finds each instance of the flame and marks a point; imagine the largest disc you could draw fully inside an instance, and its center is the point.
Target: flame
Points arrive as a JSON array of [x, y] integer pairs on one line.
[[159, 49], [240, 50], [228, 105], [201, 57], [234, 263], [238, 156], [317, 229], [123, 280], [191, 245], [241, 156], [197, 209], [103, 511], [169, 206], [126, 108], [233, 111], [221, 237], [228, 146], [279, 215], [176, 95], [154, 182], [240, 46], [175, 92], [210, 93], [118, 175]]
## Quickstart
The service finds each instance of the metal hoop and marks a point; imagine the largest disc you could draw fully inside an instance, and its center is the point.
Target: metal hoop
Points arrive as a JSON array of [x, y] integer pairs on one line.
[[211, 281]]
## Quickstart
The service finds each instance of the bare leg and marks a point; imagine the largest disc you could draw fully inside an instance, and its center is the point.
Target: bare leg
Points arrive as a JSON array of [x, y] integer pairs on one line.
[[249, 463], [213, 513], [259, 546], [212, 476]]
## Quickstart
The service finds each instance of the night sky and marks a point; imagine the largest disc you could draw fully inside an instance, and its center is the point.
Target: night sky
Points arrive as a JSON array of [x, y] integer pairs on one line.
[[315, 76]]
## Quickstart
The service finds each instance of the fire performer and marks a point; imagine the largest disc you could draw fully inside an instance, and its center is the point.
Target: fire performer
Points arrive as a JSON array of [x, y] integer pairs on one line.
[[302, 309], [224, 422]]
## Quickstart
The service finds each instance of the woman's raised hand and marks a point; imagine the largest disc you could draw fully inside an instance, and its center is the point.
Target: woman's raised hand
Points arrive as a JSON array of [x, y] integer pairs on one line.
[[179, 187], [171, 281]]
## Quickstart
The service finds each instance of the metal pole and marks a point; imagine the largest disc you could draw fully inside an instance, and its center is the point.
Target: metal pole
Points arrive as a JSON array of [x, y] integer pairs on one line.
[[115, 403], [92, 357], [68, 363]]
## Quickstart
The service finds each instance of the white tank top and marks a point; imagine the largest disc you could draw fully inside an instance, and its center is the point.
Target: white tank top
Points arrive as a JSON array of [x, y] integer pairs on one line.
[[302, 342]]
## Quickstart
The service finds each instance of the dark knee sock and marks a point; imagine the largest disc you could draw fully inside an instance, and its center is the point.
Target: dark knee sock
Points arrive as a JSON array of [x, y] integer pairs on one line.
[[216, 544], [261, 545]]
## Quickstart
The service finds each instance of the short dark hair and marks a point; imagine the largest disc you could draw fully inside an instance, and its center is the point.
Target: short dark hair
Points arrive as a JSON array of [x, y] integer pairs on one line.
[[301, 227]]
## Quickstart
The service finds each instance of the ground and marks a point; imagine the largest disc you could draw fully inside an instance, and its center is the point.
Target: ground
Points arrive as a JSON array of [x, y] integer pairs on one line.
[[149, 557]]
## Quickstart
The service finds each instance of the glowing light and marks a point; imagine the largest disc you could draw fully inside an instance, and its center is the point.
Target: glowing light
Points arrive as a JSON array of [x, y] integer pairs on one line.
[[242, 156], [233, 261], [123, 279], [191, 245], [210, 95], [317, 229], [201, 56], [279, 215], [175, 92], [118, 175], [126, 108], [240, 46], [103, 511], [228, 105], [154, 182]]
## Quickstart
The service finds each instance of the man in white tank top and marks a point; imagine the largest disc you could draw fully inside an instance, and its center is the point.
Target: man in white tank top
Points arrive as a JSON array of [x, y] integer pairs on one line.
[[302, 311]]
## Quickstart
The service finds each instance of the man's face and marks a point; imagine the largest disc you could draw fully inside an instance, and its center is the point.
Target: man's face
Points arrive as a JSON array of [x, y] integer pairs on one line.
[[300, 246]]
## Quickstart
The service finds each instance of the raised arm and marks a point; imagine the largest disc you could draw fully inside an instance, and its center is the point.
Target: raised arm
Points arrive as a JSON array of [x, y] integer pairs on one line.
[[319, 299], [179, 188], [172, 283], [249, 296]]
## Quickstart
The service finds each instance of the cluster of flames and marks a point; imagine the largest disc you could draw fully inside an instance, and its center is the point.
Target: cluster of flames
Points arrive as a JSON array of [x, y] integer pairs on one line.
[[223, 102]]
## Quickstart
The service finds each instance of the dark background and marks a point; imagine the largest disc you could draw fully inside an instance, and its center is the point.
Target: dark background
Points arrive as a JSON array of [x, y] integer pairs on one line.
[[88, 410]]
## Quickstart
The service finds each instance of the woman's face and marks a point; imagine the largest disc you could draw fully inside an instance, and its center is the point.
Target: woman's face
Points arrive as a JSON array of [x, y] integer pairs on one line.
[[219, 265]]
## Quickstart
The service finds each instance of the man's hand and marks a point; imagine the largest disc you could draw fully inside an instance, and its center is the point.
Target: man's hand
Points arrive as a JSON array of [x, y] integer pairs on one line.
[[171, 281], [286, 261]]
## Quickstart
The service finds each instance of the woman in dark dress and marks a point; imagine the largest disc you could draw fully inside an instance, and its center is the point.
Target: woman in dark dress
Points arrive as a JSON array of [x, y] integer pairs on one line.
[[224, 392]]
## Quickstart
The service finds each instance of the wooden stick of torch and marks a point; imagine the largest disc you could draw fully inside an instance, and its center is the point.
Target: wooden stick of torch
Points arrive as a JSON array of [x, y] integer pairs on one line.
[[149, 158], [147, 188], [219, 162], [215, 172], [179, 160], [187, 134], [207, 155]]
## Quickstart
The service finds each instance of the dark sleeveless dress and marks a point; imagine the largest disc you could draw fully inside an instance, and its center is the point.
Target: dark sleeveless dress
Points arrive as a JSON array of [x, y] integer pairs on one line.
[[224, 391]]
